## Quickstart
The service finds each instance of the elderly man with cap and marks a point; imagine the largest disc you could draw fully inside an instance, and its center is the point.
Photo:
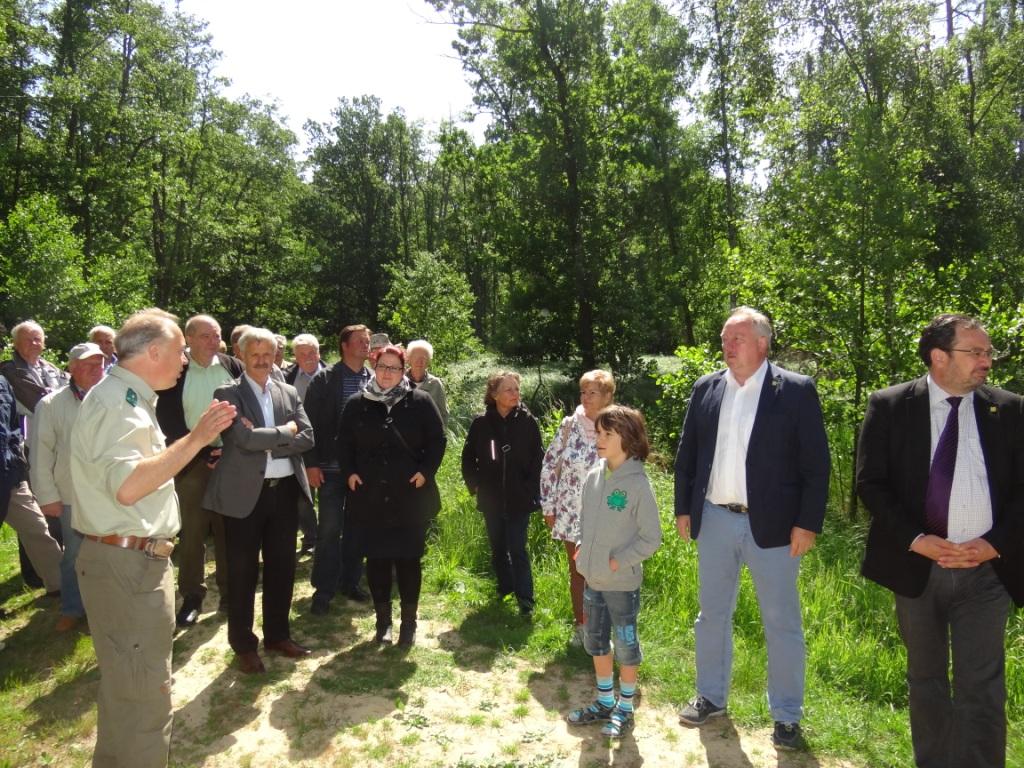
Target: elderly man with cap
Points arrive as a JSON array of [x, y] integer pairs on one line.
[[50, 471], [127, 510]]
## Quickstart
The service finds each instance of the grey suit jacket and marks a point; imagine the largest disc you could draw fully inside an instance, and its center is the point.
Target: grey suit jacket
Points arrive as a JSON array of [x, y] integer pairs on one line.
[[237, 479]]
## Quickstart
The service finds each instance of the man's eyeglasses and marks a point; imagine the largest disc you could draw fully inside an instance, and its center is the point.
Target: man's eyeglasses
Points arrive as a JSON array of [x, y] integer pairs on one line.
[[389, 368], [990, 353]]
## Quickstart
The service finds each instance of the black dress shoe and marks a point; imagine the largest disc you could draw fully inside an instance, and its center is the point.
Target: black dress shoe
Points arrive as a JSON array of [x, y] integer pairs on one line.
[[288, 648], [251, 663]]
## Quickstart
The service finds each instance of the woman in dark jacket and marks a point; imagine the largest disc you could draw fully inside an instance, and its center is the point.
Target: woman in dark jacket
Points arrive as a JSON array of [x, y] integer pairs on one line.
[[390, 445], [501, 463]]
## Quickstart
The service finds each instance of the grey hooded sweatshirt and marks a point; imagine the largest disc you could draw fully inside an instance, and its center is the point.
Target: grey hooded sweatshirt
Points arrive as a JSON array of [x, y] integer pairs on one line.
[[620, 520]]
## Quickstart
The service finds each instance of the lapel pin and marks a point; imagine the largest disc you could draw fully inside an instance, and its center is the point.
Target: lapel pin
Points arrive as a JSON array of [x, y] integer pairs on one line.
[[993, 409]]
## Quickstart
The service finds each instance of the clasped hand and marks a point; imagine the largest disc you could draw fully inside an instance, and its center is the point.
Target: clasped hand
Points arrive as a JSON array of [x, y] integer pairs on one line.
[[948, 554]]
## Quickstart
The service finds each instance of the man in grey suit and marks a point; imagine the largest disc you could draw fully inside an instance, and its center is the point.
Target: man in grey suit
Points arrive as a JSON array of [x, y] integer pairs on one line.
[[255, 486]]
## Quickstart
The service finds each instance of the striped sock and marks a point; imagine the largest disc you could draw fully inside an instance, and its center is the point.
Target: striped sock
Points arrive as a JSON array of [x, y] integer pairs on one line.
[[605, 692], [626, 691]]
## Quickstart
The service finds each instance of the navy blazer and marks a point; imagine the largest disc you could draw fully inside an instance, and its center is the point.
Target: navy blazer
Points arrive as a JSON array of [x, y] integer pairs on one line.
[[788, 461], [893, 462]]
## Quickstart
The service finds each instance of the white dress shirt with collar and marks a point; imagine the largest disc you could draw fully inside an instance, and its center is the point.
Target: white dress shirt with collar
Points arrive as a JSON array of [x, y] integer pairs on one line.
[[728, 481]]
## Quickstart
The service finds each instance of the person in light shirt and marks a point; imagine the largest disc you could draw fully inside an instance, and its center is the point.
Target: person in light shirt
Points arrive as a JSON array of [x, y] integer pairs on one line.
[[940, 467], [751, 483]]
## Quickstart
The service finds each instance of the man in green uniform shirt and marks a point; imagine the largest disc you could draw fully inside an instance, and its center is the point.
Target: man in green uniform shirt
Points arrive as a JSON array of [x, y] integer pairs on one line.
[[126, 508]]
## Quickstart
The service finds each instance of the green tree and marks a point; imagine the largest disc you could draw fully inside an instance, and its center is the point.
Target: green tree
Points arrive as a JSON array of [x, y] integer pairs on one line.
[[430, 299]]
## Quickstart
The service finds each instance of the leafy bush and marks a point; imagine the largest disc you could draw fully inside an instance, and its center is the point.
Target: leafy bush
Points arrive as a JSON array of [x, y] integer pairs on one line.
[[665, 420], [431, 299]]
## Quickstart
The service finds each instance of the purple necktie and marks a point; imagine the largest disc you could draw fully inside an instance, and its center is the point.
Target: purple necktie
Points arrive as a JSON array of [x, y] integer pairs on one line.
[[940, 479]]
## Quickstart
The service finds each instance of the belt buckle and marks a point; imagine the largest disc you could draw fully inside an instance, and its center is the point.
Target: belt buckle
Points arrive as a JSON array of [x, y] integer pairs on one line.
[[158, 549]]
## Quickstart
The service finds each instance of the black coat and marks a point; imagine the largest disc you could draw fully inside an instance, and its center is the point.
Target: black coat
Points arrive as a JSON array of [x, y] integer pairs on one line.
[[501, 462], [893, 460], [370, 444]]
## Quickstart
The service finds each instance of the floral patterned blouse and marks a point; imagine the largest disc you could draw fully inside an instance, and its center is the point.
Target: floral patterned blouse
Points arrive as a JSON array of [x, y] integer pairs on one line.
[[561, 494]]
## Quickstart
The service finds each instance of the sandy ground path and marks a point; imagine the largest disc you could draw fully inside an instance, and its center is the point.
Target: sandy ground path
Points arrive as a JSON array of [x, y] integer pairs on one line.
[[444, 703]]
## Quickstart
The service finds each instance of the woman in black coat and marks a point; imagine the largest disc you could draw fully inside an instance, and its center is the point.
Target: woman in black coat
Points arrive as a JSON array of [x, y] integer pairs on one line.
[[390, 445], [501, 463]]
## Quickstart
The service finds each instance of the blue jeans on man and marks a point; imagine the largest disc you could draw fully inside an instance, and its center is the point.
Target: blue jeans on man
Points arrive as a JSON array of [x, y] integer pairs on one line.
[[338, 557], [724, 545]]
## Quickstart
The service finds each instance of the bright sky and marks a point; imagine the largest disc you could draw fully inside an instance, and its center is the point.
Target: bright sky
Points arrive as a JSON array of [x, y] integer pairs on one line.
[[306, 54]]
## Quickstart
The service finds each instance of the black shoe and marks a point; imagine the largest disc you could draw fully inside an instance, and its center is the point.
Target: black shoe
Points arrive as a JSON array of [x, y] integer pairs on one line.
[[787, 736], [357, 595], [526, 608], [321, 606], [189, 613], [383, 624], [698, 710], [407, 631]]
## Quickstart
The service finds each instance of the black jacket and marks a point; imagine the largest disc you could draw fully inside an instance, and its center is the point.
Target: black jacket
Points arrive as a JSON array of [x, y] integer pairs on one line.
[[170, 413], [385, 450], [501, 462]]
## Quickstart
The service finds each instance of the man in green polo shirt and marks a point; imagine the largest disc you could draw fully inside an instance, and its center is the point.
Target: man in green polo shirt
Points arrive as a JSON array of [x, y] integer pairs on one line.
[[126, 508]]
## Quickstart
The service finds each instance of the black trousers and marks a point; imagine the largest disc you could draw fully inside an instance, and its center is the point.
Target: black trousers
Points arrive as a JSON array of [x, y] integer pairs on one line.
[[270, 529], [410, 578], [963, 610]]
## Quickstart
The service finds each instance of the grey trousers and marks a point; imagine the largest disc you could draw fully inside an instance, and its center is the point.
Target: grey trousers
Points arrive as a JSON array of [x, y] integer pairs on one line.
[[24, 516], [129, 599], [963, 725]]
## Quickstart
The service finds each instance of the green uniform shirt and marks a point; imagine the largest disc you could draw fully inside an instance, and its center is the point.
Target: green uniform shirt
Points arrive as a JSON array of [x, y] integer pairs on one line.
[[115, 430]]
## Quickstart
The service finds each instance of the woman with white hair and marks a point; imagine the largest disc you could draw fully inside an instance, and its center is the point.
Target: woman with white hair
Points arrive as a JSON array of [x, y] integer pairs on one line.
[[418, 354]]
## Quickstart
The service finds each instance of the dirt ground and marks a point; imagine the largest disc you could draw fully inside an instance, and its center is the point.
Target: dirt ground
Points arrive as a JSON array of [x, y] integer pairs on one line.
[[444, 703]]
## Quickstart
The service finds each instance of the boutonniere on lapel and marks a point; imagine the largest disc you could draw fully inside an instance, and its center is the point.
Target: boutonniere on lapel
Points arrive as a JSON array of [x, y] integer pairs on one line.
[[993, 409], [776, 382]]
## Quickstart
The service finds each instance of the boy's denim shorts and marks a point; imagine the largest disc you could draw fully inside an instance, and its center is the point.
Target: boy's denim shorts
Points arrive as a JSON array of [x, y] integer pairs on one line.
[[610, 610]]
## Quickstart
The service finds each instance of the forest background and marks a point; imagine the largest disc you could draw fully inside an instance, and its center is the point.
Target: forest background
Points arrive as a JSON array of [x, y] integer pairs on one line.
[[851, 167]]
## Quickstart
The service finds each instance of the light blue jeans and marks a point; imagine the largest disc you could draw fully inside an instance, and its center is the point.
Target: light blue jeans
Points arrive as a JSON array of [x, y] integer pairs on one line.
[[70, 596], [724, 544]]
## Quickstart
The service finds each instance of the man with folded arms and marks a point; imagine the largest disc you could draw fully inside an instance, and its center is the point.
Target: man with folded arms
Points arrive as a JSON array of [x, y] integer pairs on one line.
[[127, 511], [255, 486]]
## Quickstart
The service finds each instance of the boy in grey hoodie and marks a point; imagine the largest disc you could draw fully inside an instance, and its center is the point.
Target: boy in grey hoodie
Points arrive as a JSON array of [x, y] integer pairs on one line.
[[619, 530]]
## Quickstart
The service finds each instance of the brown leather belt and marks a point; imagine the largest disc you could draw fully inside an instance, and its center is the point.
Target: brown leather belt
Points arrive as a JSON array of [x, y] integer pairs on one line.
[[153, 547], [739, 509]]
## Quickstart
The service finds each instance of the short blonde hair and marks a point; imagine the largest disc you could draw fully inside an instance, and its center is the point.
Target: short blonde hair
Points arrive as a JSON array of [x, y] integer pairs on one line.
[[494, 381], [602, 379]]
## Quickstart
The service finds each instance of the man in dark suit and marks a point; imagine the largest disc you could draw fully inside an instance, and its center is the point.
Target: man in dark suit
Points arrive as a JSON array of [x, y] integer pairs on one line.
[[255, 486], [940, 467], [178, 410], [751, 482]]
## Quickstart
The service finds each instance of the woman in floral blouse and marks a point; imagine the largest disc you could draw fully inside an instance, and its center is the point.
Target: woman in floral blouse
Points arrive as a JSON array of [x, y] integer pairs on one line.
[[571, 455]]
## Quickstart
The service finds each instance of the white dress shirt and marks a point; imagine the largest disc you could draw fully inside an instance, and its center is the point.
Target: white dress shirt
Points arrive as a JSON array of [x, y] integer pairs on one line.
[[970, 502], [728, 481], [275, 467]]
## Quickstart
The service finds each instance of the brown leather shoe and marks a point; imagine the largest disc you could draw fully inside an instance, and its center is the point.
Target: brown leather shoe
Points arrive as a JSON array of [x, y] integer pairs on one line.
[[288, 647], [66, 623], [251, 663]]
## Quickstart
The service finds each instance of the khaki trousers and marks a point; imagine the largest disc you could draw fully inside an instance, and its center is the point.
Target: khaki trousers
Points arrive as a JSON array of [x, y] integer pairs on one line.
[[24, 516], [190, 555], [129, 599]]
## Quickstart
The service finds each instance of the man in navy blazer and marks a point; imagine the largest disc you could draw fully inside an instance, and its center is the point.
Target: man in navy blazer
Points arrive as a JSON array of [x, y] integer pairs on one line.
[[255, 486], [751, 483], [953, 559]]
